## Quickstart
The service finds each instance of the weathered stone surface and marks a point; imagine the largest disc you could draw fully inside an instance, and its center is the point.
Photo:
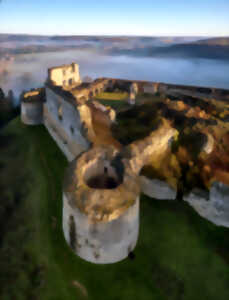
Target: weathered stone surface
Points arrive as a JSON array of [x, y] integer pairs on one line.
[[66, 75], [103, 242], [71, 145], [101, 206], [32, 106], [133, 93], [150, 88], [157, 142], [86, 121], [215, 206], [209, 146], [88, 180], [219, 197], [157, 189], [66, 125], [110, 112], [32, 113]]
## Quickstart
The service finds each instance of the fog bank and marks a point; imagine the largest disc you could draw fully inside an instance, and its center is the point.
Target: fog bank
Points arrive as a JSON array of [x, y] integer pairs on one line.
[[30, 70]]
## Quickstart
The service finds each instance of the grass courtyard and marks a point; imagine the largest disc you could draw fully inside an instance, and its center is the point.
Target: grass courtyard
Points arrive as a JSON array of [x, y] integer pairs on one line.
[[118, 100], [115, 100], [179, 255]]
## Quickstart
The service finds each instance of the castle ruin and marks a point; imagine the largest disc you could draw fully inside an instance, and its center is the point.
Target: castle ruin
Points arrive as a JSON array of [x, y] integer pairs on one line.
[[102, 184]]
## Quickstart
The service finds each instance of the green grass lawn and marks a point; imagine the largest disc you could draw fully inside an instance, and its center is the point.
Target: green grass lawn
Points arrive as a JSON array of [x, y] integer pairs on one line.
[[116, 100], [118, 96], [179, 255]]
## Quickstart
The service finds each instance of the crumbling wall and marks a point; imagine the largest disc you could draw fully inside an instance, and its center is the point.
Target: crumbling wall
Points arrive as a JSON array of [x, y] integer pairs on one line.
[[86, 91], [213, 206], [166, 88], [32, 113], [66, 75], [141, 151], [101, 193], [65, 125], [32, 106]]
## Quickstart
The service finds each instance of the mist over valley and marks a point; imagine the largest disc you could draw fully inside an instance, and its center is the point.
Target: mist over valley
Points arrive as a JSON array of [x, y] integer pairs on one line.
[[24, 59]]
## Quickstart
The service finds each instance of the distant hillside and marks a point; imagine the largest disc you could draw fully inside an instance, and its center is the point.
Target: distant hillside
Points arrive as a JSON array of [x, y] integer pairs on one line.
[[75, 38], [22, 38], [59, 38], [219, 41], [190, 50], [89, 38], [213, 48], [195, 51]]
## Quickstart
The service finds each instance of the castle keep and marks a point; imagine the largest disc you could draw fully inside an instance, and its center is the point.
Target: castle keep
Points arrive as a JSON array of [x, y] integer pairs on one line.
[[103, 182]]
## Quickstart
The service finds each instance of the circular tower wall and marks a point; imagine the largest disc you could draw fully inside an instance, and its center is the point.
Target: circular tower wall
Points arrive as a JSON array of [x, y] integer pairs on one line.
[[32, 113], [101, 206]]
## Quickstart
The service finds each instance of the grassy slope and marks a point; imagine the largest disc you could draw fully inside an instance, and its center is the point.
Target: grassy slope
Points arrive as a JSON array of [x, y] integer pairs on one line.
[[179, 255]]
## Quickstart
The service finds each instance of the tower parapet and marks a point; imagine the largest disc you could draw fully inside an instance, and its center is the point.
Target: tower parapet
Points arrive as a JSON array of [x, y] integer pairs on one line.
[[32, 106], [101, 206]]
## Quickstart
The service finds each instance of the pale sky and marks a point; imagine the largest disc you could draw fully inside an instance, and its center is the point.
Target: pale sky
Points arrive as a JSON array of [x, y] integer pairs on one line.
[[116, 17]]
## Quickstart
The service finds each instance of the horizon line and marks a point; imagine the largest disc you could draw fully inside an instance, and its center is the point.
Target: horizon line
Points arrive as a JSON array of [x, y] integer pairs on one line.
[[110, 35]]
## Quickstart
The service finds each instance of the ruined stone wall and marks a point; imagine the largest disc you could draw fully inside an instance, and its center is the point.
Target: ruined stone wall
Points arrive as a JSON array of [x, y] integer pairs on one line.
[[32, 113], [66, 75], [102, 242], [65, 125], [213, 206], [153, 87], [150, 89], [86, 91]]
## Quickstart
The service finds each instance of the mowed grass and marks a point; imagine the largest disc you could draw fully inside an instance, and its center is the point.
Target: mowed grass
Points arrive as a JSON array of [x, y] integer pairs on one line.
[[115, 100], [179, 255]]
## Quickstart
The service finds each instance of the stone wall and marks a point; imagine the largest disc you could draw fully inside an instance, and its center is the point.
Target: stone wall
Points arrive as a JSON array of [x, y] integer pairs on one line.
[[141, 151], [150, 89], [64, 123], [213, 206], [66, 75], [153, 87], [86, 91], [103, 242], [32, 113], [157, 189]]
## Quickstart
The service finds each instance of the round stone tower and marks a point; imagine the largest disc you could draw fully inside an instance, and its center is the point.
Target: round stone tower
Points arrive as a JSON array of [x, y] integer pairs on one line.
[[32, 107], [101, 206]]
